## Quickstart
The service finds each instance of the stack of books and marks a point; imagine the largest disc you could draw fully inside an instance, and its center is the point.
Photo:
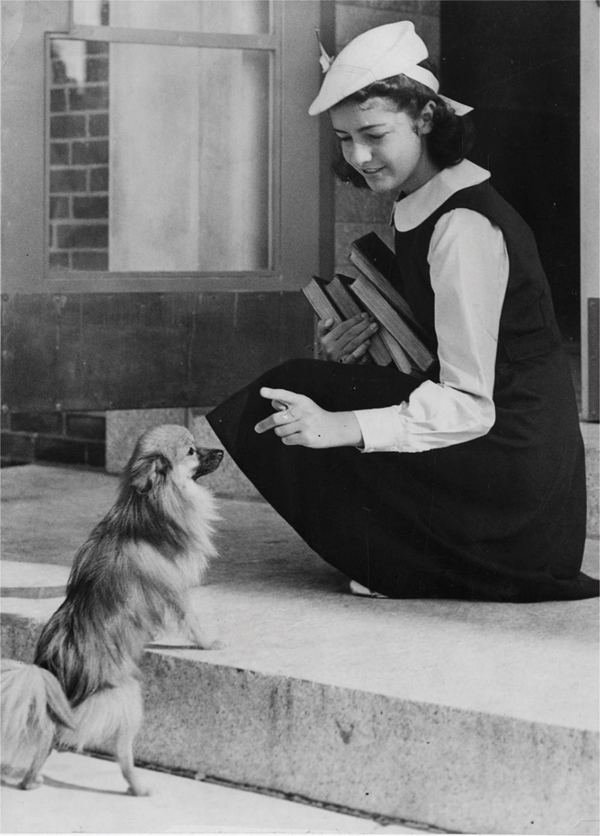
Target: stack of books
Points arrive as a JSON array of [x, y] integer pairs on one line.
[[399, 338]]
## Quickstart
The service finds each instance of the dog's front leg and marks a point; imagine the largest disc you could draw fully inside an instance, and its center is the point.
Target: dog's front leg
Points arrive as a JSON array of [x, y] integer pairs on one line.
[[199, 633]]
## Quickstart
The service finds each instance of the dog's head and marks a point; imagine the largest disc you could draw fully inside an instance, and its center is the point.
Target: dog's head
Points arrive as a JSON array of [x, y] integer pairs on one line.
[[168, 451]]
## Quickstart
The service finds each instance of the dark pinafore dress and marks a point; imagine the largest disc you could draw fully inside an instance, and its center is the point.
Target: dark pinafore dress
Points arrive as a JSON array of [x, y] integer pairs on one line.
[[499, 518]]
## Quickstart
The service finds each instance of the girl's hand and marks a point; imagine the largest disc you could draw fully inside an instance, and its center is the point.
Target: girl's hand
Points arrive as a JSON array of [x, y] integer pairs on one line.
[[347, 342], [298, 420]]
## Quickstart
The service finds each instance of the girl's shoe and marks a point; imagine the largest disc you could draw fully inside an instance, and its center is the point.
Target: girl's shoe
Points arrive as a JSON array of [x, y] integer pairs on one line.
[[358, 589]]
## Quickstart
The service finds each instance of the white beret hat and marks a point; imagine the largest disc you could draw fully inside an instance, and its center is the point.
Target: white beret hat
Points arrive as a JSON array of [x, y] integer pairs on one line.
[[377, 54]]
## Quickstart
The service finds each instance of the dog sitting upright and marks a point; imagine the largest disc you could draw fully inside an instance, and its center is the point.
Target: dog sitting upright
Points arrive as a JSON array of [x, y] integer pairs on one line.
[[136, 569]]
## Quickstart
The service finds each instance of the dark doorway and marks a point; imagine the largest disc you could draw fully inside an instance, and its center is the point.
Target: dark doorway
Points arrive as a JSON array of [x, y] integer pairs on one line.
[[517, 63]]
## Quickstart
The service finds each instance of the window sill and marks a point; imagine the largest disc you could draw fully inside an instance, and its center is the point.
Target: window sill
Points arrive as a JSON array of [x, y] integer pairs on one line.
[[87, 282]]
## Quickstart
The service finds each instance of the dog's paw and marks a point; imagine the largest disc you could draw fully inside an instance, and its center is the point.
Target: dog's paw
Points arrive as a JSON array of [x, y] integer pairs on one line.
[[139, 790], [216, 644], [31, 783]]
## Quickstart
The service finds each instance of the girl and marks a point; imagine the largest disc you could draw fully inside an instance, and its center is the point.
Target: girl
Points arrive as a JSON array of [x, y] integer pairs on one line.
[[469, 484]]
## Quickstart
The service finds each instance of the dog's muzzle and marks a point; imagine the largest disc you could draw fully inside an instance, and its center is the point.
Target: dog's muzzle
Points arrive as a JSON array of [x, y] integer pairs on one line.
[[208, 460]]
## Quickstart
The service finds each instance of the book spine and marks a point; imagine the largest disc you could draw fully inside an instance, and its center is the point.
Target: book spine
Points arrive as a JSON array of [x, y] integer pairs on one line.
[[321, 303], [397, 353], [381, 283], [379, 352], [385, 314]]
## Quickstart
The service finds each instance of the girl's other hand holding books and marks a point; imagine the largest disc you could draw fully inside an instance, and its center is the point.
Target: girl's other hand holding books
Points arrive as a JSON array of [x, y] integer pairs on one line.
[[348, 341]]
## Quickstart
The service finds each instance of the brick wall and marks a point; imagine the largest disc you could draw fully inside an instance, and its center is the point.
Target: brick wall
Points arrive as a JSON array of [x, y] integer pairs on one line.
[[79, 155], [78, 240]]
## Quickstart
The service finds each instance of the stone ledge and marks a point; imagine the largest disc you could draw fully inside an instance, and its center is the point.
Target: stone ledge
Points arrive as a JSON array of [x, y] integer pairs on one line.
[[435, 764], [467, 716], [591, 440], [32, 580]]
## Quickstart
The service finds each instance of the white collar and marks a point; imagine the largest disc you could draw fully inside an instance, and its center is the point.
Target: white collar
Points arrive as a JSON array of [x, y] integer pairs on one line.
[[412, 210]]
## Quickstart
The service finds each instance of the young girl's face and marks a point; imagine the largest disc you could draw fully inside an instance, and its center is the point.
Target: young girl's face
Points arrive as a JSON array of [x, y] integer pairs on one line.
[[383, 144]]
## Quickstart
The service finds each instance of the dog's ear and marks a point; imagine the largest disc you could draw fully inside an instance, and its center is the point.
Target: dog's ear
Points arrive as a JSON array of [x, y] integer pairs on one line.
[[146, 472]]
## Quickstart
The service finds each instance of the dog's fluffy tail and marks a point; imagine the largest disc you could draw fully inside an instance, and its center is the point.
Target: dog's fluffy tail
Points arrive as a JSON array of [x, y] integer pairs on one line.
[[33, 706]]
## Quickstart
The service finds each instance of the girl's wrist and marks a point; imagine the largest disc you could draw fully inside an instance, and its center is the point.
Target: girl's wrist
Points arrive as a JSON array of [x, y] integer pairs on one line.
[[348, 429]]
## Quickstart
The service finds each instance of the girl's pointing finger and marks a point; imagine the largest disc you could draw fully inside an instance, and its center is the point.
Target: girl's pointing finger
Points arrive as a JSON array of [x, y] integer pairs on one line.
[[278, 394]]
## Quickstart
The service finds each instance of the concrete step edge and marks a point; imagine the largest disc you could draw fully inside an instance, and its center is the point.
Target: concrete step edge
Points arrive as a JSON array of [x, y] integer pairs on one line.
[[444, 767]]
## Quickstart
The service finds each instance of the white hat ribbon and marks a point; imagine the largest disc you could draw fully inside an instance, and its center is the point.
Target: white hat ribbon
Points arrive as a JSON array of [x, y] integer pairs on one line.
[[385, 51], [325, 60]]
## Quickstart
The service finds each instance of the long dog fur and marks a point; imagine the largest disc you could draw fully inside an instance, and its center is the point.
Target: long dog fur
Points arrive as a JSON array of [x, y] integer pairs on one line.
[[137, 569]]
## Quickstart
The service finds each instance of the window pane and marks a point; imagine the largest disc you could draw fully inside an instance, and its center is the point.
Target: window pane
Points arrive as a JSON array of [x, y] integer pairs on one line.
[[241, 17], [159, 158]]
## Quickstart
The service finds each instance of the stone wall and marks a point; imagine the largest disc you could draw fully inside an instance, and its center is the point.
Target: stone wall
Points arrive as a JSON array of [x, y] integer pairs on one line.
[[77, 438]]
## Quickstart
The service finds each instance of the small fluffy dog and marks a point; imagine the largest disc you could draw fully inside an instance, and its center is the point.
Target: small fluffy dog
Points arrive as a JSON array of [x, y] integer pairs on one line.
[[136, 570]]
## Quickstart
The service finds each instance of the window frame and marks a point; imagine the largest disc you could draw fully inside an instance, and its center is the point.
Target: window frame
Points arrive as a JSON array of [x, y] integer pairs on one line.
[[291, 132]]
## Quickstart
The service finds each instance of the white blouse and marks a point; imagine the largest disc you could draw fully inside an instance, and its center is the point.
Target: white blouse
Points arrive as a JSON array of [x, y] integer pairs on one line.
[[469, 270]]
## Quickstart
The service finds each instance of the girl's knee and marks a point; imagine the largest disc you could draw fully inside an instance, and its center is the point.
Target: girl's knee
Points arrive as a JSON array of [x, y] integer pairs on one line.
[[290, 375]]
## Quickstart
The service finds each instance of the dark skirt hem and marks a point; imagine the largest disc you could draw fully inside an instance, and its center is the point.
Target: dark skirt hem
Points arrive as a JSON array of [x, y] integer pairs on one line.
[[388, 520]]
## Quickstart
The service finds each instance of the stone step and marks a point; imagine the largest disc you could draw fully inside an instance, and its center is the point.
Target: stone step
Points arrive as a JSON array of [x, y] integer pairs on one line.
[[470, 717], [73, 800]]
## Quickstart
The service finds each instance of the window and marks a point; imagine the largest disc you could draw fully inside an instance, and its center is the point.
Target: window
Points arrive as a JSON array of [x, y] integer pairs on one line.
[[165, 141], [142, 307]]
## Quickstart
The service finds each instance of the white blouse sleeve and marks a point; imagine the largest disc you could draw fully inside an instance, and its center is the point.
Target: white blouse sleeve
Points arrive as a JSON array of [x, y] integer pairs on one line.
[[469, 272]]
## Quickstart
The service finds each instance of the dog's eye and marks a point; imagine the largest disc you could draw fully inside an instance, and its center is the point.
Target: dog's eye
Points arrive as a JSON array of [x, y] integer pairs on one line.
[[191, 451]]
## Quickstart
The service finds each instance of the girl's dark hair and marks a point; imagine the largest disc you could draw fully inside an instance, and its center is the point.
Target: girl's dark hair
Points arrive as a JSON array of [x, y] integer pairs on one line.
[[451, 137]]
